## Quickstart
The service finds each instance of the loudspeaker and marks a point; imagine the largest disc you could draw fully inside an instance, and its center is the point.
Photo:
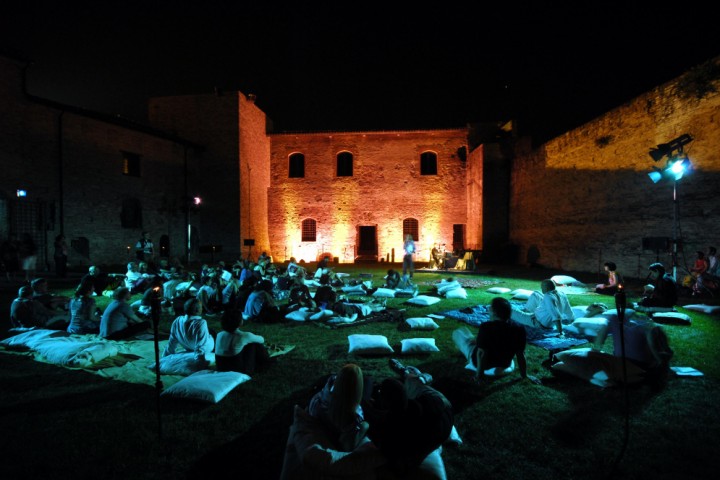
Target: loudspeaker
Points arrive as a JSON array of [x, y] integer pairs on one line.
[[656, 244]]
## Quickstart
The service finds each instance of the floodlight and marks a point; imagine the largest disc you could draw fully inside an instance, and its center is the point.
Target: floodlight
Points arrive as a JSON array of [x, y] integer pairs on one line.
[[21, 193]]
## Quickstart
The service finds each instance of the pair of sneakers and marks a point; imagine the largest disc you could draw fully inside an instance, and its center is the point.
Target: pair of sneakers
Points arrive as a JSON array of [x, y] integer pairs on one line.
[[403, 370]]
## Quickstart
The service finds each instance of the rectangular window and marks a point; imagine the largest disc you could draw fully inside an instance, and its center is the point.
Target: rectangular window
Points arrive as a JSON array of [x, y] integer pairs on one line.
[[131, 164], [309, 231]]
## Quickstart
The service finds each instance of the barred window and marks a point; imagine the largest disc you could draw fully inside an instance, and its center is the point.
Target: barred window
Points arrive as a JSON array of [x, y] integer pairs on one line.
[[309, 230], [410, 225]]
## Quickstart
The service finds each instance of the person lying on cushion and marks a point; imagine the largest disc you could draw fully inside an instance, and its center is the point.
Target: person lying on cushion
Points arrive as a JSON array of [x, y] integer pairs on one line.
[[549, 309], [497, 342], [236, 350], [337, 405], [190, 332]]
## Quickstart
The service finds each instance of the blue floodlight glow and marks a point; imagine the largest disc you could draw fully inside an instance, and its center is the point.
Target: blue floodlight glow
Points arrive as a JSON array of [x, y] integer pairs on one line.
[[21, 193]]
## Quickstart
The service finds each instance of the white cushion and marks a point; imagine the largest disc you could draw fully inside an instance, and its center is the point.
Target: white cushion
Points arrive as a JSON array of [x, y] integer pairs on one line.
[[564, 280], [180, 364], [423, 300], [421, 323], [672, 317], [521, 294], [498, 290], [492, 372], [599, 368], [31, 338], [456, 293], [415, 345], [363, 344], [445, 286], [206, 386], [704, 308], [384, 292], [74, 351], [299, 315]]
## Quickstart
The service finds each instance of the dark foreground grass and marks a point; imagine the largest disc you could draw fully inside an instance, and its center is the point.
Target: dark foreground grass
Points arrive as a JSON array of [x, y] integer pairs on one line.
[[59, 423]]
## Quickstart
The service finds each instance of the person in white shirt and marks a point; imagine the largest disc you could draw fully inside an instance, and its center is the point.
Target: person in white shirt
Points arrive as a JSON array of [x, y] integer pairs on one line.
[[236, 350], [191, 333], [549, 309]]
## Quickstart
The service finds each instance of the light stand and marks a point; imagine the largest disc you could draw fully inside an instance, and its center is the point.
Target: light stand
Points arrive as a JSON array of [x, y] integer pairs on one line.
[[620, 306], [155, 306]]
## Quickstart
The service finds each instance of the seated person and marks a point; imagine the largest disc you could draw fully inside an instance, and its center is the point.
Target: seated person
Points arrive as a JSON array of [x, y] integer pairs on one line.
[[190, 332], [209, 295], [100, 279], [135, 281], [293, 268], [497, 342], [84, 314], [662, 292], [337, 405], [646, 344], [118, 320], [261, 306], [26, 312], [41, 294], [436, 258], [392, 279], [144, 305], [325, 295], [614, 280], [549, 309], [408, 420], [300, 294], [230, 291], [236, 350]]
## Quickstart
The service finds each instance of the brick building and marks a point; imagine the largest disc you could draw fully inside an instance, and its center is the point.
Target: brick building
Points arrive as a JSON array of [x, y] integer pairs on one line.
[[578, 200]]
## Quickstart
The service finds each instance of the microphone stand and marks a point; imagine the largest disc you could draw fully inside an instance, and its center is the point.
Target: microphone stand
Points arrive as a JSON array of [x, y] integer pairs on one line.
[[620, 306], [155, 306]]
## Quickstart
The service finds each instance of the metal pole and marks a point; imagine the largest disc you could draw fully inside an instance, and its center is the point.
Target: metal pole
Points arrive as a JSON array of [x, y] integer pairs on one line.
[[155, 313], [675, 231]]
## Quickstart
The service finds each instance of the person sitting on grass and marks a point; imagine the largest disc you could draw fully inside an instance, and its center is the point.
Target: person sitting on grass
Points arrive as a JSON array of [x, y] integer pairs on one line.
[[497, 342], [662, 292], [236, 350], [392, 279], [26, 312], [547, 310], [261, 306], [337, 405], [119, 320], [614, 280], [190, 332], [84, 314]]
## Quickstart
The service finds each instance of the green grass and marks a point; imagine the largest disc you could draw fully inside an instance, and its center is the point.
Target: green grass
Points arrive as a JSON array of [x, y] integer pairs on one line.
[[61, 423]]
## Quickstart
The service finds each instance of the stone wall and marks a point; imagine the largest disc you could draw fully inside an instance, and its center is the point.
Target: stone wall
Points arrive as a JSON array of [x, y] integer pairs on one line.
[[385, 189], [585, 197]]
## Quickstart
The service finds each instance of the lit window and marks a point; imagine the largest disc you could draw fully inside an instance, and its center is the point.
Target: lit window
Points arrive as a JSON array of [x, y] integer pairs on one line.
[[410, 225], [297, 165], [131, 164], [344, 164], [428, 163], [309, 230]]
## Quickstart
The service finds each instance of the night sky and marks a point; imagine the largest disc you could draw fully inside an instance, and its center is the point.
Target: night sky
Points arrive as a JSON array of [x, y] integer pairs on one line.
[[362, 66]]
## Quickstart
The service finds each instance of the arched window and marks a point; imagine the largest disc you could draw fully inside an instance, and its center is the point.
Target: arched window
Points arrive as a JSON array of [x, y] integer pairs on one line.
[[344, 164], [410, 225], [428, 163], [309, 230], [297, 165]]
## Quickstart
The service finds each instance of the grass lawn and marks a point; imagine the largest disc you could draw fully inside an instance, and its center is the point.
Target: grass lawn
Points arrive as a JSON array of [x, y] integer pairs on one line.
[[61, 423]]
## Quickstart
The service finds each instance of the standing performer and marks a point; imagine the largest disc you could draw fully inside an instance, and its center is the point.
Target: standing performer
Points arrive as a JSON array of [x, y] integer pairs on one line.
[[408, 266]]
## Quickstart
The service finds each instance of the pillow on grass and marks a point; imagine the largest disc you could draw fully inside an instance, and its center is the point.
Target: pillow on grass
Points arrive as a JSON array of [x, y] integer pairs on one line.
[[206, 386], [423, 300], [521, 294], [418, 345], [456, 293], [563, 280], [422, 323], [363, 344], [384, 292], [598, 368], [704, 308], [299, 315], [31, 338], [180, 364], [672, 318], [498, 290]]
